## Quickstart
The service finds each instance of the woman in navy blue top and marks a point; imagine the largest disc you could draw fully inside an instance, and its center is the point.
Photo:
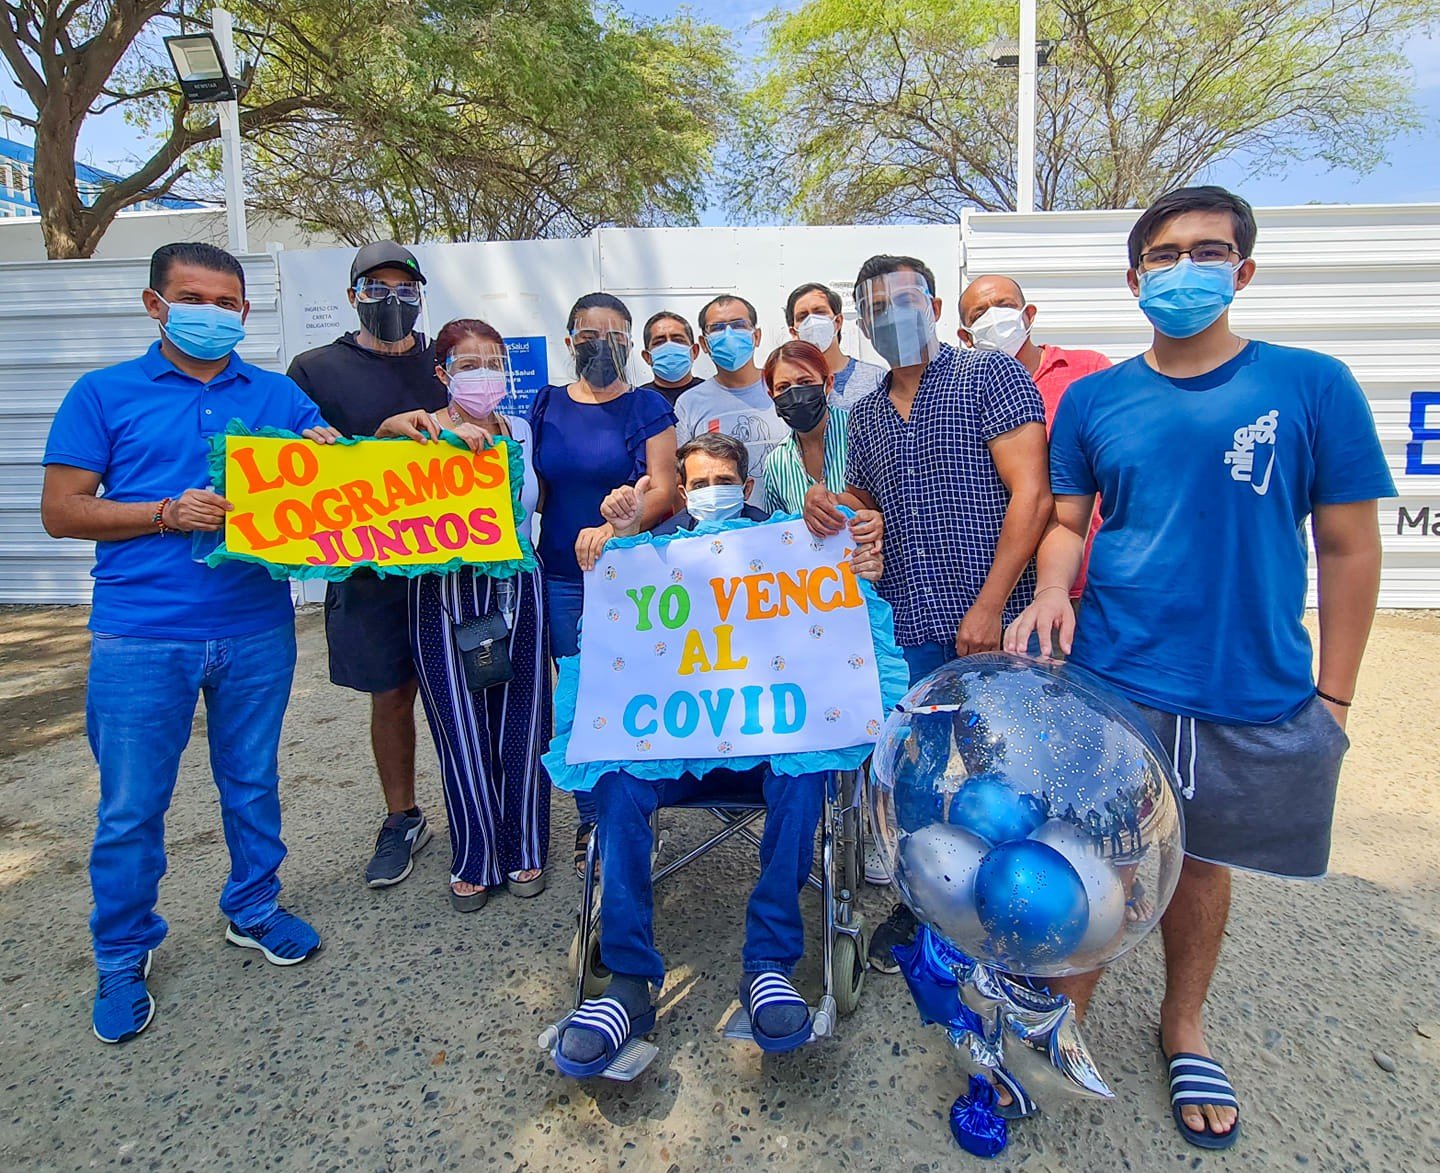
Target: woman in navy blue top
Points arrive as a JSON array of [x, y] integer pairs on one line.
[[592, 436]]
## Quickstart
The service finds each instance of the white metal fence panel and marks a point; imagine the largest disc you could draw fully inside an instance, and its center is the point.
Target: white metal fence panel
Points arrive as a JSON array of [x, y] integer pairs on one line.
[[1361, 283], [61, 319]]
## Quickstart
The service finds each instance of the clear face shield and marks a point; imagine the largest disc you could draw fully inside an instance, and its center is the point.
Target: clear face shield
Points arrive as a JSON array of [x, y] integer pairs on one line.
[[602, 356], [481, 380], [897, 313], [390, 309]]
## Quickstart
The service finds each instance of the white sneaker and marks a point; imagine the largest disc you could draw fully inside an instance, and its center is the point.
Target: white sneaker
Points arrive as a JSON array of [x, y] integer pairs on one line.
[[877, 871]]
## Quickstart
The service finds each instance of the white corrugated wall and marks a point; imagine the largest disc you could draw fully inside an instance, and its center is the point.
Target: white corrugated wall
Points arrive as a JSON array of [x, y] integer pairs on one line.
[[59, 319], [1361, 283]]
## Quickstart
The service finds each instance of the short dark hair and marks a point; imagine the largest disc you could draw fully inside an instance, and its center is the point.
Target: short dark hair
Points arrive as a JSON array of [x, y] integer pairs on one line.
[[1204, 198], [831, 297], [885, 263], [718, 445], [597, 301], [721, 300], [192, 252], [662, 316]]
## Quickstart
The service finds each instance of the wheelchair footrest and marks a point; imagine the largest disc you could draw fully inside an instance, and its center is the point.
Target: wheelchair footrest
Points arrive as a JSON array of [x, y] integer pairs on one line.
[[629, 1061], [822, 1020]]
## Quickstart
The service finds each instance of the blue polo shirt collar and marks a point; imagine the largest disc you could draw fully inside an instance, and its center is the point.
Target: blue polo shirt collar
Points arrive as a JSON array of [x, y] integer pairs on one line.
[[156, 366]]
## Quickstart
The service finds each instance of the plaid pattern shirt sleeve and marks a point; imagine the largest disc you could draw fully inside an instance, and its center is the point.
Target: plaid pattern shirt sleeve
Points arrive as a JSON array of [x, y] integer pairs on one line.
[[1008, 396]]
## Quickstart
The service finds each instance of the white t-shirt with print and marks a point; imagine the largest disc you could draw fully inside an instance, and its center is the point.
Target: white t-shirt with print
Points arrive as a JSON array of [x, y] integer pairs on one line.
[[746, 413]]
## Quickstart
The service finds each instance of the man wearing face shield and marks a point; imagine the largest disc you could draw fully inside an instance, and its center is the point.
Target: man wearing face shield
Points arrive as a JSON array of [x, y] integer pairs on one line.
[[734, 402], [358, 381], [951, 451], [812, 312], [994, 315]]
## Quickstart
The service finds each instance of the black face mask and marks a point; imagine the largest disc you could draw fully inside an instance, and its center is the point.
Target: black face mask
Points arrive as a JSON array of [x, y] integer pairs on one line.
[[801, 406], [599, 362], [390, 320]]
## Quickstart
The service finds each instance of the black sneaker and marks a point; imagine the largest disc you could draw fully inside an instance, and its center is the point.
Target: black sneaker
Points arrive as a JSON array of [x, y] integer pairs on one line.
[[898, 929], [401, 837]]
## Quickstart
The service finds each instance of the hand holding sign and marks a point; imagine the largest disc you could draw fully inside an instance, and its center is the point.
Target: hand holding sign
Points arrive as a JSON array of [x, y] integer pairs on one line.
[[624, 507]]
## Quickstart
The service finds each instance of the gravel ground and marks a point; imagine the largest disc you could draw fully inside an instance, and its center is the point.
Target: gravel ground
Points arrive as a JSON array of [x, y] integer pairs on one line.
[[410, 1041]]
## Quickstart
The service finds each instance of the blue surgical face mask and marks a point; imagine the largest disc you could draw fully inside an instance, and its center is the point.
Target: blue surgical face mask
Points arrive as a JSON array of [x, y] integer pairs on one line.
[[732, 349], [715, 502], [205, 332], [1186, 298], [671, 361]]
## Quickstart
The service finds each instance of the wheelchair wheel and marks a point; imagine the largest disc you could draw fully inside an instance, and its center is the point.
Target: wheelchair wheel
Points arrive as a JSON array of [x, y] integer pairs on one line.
[[847, 965], [597, 977]]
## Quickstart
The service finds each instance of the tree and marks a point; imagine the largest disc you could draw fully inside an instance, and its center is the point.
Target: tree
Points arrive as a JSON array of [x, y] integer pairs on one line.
[[884, 110], [435, 103]]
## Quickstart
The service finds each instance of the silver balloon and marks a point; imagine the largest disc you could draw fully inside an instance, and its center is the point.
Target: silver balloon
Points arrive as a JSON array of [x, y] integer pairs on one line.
[[936, 875], [1103, 885]]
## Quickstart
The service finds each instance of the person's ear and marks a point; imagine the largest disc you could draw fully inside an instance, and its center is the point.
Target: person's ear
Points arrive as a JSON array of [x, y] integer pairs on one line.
[[1244, 274], [694, 351], [154, 306], [443, 375], [757, 337], [749, 484], [1029, 313], [681, 490], [244, 309], [645, 354], [1132, 279], [705, 343], [350, 295], [794, 333], [935, 304]]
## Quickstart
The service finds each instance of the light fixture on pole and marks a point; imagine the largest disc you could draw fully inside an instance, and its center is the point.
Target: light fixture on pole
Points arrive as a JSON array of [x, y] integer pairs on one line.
[[1024, 56], [205, 68]]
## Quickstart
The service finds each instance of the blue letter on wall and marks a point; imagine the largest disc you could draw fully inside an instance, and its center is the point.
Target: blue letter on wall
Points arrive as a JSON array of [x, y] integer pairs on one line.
[[1422, 433]]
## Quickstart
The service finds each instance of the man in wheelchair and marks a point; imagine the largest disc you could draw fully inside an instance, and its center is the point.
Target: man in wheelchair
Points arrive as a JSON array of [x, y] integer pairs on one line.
[[714, 483]]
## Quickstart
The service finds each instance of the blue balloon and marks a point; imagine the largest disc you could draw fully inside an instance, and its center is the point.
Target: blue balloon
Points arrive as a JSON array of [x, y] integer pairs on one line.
[[986, 806], [1032, 903]]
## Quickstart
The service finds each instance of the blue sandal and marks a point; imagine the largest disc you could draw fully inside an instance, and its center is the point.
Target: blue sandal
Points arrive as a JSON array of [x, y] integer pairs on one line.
[[774, 989], [1194, 1081], [608, 1018]]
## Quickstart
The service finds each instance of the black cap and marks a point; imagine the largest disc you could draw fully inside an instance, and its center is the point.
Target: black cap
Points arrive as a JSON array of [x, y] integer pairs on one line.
[[384, 254]]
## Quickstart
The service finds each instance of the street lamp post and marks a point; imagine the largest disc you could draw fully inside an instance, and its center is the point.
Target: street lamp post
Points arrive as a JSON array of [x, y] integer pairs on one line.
[[205, 66], [1025, 137]]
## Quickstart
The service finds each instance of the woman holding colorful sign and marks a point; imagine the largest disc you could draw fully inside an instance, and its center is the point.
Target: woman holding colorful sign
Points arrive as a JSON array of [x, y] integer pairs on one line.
[[591, 435], [489, 713]]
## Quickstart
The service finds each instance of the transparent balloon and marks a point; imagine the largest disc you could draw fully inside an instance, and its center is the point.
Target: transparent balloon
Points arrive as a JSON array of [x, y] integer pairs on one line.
[[1029, 815]]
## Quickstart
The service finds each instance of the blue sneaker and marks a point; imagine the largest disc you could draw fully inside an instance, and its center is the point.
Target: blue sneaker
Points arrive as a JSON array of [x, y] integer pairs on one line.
[[284, 938], [123, 1006], [400, 840]]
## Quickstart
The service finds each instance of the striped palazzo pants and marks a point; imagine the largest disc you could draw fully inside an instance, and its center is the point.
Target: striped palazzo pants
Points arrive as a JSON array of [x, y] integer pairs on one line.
[[497, 796]]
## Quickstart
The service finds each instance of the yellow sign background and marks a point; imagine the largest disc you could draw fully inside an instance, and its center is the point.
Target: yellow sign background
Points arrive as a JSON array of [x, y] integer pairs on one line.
[[378, 503]]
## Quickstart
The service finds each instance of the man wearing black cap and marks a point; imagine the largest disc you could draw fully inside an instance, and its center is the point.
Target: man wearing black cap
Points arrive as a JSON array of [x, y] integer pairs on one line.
[[357, 381]]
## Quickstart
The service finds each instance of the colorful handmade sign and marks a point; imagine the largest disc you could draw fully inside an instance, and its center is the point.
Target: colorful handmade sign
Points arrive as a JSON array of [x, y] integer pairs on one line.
[[728, 645], [307, 510]]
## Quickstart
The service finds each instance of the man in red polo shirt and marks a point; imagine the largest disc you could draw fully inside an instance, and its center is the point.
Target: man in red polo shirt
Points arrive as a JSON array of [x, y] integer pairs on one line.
[[994, 315]]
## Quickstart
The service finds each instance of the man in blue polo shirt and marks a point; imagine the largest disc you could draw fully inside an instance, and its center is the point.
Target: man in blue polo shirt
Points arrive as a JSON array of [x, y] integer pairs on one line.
[[167, 628], [1210, 452]]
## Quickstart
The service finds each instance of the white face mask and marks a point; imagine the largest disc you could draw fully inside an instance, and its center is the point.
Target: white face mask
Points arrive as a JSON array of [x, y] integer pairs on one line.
[[1000, 328], [715, 502], [818, 330]]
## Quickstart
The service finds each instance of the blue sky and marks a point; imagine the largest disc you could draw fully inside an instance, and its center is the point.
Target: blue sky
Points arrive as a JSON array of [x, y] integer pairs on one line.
[[1410, 172]]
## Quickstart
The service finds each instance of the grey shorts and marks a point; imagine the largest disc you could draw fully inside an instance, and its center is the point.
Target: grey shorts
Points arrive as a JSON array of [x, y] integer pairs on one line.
[[1259, 797]]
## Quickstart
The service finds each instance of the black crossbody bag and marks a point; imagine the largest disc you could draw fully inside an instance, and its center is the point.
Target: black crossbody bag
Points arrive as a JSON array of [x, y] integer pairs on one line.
[[484, 641]]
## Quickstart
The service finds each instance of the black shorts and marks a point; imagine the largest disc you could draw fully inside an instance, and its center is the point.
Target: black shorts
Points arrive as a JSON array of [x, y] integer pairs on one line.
[[367, 627]]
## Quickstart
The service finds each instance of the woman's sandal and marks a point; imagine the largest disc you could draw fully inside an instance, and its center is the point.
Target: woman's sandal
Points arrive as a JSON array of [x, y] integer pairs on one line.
[[608, 1018], [1195, 1081], [582, 842], [469, 902], [525, 889]]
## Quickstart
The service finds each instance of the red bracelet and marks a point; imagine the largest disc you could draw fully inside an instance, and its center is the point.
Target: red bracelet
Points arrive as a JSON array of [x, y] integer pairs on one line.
[[159, 518]]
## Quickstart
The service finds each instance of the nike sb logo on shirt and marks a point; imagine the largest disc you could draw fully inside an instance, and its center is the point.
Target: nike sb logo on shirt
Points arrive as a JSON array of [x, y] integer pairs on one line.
[[1252, 457]]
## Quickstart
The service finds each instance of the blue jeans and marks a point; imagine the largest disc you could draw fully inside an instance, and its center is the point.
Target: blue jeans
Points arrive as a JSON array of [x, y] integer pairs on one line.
[[139, 705], [564, 601], [774, 931], [923, 659]]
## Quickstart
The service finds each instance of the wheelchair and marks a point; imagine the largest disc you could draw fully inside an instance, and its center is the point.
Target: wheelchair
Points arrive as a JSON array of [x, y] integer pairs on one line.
[[845, 936]]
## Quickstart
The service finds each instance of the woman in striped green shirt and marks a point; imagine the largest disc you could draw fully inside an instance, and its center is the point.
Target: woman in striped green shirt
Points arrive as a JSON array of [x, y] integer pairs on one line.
[[799, 381]]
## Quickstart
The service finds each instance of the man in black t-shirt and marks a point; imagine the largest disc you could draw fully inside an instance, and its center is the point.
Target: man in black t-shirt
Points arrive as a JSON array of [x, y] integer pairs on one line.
[[358, 381], [671, 351]]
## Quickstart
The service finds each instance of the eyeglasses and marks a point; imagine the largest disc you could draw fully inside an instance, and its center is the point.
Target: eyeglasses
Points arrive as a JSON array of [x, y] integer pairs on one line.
[[1211, 252], [459, 364], [615, 337], [739, 325], [372, 291]]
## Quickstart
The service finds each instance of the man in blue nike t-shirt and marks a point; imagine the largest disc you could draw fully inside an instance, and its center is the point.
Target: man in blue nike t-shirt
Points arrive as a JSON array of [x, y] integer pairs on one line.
[[1209, 452]]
